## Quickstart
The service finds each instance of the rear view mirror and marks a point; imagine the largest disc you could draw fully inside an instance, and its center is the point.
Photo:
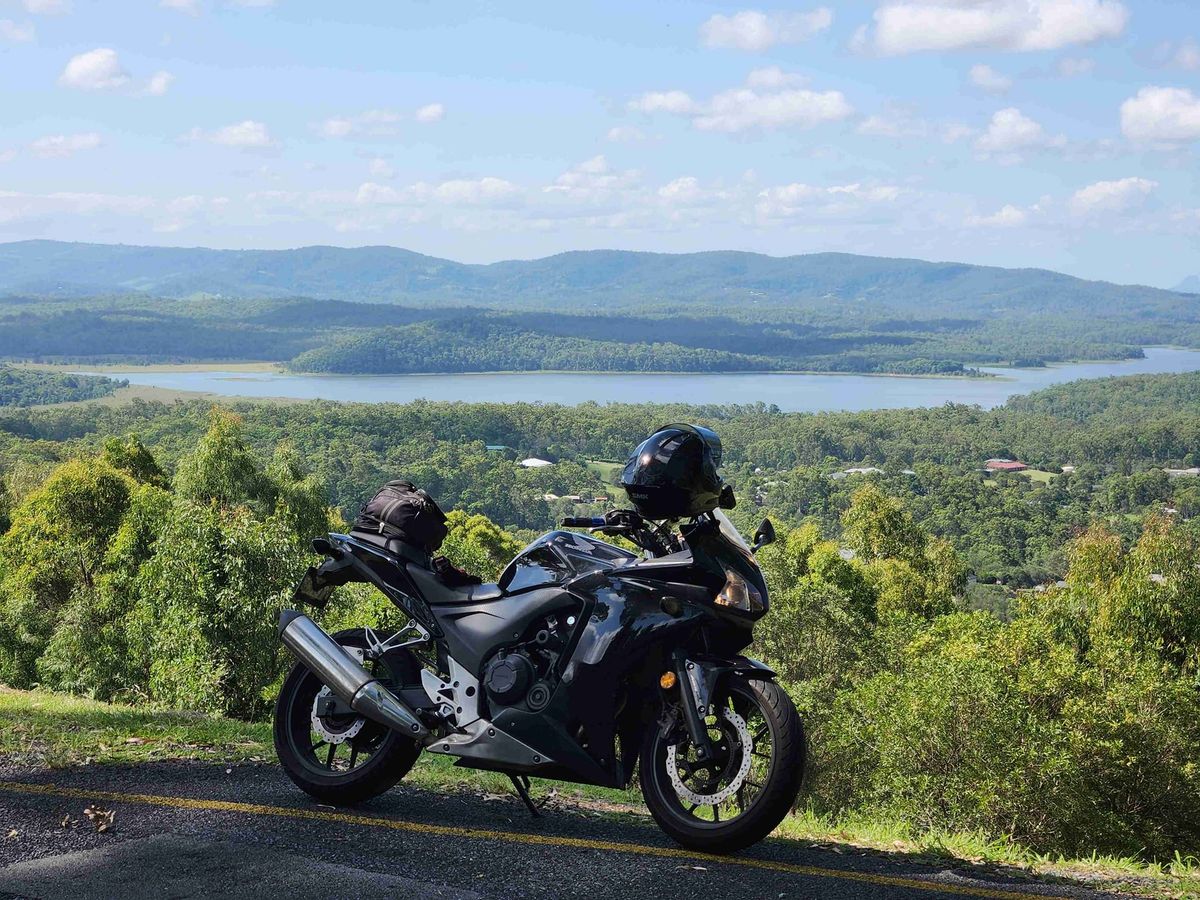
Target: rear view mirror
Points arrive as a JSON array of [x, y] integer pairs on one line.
[[765, 534]]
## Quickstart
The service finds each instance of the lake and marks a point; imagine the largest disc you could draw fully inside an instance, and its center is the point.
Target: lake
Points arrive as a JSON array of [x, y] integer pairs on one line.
[[790, 392]]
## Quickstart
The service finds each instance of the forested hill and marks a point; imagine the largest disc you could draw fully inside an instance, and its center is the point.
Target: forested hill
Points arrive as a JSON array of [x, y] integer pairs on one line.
[[820, 282]]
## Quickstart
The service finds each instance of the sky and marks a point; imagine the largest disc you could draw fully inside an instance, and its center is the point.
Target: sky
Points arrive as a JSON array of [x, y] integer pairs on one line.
[[1059, 134]]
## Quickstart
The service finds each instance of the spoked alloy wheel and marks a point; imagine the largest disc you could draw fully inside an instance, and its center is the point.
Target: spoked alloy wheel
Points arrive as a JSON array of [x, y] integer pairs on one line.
[[738, 796], [341, 758]]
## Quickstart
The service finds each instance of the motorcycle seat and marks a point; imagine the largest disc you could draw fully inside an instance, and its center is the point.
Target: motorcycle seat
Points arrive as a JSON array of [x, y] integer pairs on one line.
[[437, 593], [405, 552]]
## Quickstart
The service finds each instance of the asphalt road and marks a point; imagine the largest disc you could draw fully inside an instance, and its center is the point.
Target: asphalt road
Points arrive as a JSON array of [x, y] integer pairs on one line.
[[190, 830]]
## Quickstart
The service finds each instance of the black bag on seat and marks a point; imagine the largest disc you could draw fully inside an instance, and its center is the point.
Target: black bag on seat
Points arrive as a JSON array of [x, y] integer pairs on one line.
[[403, 511]]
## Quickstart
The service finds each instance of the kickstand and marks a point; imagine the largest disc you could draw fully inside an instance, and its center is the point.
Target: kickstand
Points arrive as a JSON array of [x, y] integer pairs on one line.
[[521, 783]]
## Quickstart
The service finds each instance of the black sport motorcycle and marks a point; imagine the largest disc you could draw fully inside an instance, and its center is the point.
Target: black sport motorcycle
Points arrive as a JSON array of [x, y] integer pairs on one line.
[[584, 661]]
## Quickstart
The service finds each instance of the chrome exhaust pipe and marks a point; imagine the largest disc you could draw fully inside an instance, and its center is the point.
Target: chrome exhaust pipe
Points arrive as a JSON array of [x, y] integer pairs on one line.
[[345, 676]]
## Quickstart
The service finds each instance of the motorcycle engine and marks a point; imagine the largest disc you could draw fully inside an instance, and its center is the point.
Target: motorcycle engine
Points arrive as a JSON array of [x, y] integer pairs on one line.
[[524, 672], [507, 678]]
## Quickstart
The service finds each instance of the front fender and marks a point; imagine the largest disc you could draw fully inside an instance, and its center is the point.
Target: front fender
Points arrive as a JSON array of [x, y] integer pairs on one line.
[[703, 677], [744, 665]]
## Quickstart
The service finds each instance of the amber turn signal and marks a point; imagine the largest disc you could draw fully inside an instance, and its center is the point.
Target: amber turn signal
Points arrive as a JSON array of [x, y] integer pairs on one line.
[[667, 681]]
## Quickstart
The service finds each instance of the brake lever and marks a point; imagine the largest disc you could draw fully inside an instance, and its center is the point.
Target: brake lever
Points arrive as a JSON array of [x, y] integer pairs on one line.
[[611, 529]]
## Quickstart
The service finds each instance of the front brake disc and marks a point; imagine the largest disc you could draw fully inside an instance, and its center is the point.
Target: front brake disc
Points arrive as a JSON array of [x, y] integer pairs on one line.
[[718, 797]]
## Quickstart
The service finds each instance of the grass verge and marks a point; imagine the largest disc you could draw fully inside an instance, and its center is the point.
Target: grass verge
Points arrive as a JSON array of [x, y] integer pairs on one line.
[[43, 729]]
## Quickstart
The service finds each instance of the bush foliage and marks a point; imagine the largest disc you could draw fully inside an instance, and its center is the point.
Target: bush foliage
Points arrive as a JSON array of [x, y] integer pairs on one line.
[[1072, 725]]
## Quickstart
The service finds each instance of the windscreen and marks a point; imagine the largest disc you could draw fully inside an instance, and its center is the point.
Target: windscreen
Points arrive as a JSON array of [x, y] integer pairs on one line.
[[730, 531]]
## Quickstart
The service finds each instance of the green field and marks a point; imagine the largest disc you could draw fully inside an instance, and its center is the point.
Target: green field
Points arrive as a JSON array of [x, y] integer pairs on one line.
[[608, 471]]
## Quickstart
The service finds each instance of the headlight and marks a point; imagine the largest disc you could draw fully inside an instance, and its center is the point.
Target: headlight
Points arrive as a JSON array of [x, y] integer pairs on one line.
[[739, 593]]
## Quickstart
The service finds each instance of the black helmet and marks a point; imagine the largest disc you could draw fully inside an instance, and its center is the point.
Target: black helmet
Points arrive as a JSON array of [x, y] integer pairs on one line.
[[673, 473]]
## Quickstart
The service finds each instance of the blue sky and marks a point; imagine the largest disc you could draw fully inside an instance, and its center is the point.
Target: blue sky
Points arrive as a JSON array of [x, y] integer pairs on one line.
[[1051, 133]]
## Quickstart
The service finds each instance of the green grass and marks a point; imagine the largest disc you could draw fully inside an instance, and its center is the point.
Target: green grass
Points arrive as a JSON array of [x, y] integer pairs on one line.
[[1039, 475], [56, 730], [607, 471], [42, 729]]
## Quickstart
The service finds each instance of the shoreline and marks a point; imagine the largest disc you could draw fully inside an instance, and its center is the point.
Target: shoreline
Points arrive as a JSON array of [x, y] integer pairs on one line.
[[988, 372], [261, 368]]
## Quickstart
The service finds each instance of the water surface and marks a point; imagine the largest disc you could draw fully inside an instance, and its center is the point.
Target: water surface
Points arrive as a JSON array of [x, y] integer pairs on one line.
[[790, 392]]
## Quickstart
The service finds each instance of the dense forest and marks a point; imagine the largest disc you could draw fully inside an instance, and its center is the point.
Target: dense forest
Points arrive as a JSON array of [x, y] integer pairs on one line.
[[382, 310], [349, 338], [19, 387], [146, 548], [1117, 433]]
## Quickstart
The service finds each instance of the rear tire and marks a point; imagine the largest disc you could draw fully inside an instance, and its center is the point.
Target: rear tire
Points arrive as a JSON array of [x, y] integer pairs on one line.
[[386, 755], [775, 718]]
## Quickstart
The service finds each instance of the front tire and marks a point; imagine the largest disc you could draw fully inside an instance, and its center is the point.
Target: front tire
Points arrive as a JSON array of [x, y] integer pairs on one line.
[[741, 795], [351, 758]]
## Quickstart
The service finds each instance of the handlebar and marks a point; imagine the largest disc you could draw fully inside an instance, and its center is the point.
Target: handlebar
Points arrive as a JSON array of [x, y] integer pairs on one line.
[[583, 522]]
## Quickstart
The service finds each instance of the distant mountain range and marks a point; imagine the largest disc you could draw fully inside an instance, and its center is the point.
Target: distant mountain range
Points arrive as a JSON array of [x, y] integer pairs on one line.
[[594, 280], [1189, 285]]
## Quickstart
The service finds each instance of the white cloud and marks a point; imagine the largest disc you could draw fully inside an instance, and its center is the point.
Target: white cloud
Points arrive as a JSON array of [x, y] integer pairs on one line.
[[910, 26], [487, 191], [60, 146], [1112, 196], [773, 77], [1010, 132], [46, 7], [897, 124], [757, 31], [16, 33], [247, 135], [1008, 216], [625, 134], [1188, 56], [378, 122], [1074, 66], [799, 199], [432, 112], [191, 7], [159, 84], [475, 192], [381, 168], [7, 156], [252, 3], [16, 206], [742, 109], [766, 105], [988, 79], [96, 70], [1161, 114], [337, 127], [675, 102], [953, 132], [592, 181], [682, 191]]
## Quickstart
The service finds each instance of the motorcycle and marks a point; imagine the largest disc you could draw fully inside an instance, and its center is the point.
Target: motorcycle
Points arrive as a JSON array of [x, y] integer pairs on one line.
[[584, 662]]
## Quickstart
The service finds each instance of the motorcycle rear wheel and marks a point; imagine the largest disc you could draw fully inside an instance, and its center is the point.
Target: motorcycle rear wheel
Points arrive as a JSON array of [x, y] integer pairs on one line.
[[364, 758], [737, 798]]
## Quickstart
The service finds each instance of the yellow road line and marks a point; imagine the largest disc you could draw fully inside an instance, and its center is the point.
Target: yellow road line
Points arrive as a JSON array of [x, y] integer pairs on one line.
[[324, 815]]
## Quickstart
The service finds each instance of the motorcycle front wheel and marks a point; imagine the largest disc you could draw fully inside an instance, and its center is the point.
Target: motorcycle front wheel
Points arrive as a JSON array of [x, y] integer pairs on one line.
[[739, 795], [341, 759]]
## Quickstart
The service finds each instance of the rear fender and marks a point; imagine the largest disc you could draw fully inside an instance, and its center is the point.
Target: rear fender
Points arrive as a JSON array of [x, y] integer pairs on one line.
[[350, 561]]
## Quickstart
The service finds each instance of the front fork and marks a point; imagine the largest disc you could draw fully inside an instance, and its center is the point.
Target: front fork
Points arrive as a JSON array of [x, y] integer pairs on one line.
[[696, 681]]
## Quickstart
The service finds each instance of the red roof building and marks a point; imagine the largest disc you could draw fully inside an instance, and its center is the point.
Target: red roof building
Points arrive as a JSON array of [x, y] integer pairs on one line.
[[1005, 465]]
